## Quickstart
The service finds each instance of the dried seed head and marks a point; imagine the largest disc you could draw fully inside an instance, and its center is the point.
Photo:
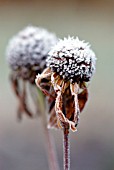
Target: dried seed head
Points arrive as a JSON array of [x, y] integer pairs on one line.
[[27, 51], [72, 59]]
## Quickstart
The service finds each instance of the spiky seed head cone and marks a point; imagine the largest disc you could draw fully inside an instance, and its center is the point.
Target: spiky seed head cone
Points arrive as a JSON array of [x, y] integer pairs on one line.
[[27, 51], [72, 59]]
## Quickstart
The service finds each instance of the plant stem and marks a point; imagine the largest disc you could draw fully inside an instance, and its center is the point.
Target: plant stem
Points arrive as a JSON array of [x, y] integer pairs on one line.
[[66, 149], [51, 153]]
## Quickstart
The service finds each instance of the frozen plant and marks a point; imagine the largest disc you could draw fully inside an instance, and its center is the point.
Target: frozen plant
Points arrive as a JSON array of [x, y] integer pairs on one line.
[[26, 54], [70, 65]]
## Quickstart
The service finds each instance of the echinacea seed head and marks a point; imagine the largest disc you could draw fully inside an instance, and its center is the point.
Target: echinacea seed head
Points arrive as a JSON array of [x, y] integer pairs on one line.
[[27, 51], [72, 59]]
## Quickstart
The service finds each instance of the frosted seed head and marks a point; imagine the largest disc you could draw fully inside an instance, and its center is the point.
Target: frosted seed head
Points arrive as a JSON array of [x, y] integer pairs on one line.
[[74, 57], [29, 50]]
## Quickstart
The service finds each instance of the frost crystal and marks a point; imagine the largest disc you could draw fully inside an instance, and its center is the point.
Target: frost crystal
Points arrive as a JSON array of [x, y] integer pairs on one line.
[[28, 50], [72, 59]]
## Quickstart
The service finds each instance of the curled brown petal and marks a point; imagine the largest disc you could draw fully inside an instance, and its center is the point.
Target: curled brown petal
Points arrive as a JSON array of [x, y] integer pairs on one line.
[[52, 123], [45, 74], [15, 84], [82, 99], [21, 97], [74, 91]]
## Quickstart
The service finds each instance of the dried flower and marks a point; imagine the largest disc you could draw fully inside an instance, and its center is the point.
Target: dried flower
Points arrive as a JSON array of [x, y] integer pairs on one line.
[[73, 60], [28, 50], [26, 54], [70, 64]]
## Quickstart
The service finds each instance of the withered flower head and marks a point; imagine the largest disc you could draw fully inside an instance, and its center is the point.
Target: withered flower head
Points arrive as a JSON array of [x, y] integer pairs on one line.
[[26, 54], [70, 64], [28, 50], [73, 60]]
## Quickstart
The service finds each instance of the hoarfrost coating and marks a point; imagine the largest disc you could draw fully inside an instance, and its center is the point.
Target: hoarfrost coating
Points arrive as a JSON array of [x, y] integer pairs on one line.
[[72, 59], [30, 47]]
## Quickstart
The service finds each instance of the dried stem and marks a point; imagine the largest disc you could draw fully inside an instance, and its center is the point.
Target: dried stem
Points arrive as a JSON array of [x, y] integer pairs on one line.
[[52, 159], [51, 153], [66, 149]]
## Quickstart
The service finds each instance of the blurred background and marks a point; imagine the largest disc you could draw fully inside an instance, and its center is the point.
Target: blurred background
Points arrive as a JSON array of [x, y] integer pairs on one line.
[[92, 146]]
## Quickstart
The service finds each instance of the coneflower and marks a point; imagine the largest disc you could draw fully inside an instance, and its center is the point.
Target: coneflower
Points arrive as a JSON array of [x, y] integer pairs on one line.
[[26, 54], [71, 63], [28, 50]]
